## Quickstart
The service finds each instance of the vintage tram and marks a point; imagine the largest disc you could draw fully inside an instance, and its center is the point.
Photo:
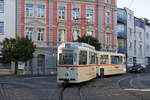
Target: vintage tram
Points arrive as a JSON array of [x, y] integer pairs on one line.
[[80, 62]]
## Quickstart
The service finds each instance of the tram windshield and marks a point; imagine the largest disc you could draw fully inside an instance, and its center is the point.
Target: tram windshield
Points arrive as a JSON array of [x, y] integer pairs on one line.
[[68, 58]]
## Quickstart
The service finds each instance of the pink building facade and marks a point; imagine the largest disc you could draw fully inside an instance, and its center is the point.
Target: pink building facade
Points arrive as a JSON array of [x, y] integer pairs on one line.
[[51, 22]]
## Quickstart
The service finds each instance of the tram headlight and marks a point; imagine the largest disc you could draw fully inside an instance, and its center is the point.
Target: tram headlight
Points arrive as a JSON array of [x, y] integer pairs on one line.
[[66, 74], [72, 69]]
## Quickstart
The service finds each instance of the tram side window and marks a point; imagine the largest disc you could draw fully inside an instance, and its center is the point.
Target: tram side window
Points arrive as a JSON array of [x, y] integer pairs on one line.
[[83, 57], [60, 59], [116, 60], [91, 58], [96, 60], [104, 59], [120, 60]]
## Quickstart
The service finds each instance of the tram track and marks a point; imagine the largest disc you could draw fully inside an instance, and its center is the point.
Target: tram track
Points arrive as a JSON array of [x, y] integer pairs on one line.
[[72, 86], [3, 92]]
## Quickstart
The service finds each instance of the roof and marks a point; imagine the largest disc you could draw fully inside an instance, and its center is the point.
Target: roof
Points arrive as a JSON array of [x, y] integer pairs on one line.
[[109, 53], [76, 45]]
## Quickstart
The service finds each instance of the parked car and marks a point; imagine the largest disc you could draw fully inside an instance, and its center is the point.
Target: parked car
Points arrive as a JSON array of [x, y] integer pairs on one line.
[[137, 68]]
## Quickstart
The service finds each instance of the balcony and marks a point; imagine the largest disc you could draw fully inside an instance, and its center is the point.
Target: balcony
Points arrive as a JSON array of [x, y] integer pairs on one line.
[[122, 35], [121, 20], [122, 50]]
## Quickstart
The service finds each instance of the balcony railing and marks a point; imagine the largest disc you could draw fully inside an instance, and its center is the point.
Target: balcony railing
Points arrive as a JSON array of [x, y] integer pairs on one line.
[[122, 50], [122, 35], [120, 19]]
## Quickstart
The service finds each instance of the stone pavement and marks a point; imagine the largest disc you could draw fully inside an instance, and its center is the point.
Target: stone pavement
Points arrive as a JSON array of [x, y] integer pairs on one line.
[[46, 88]]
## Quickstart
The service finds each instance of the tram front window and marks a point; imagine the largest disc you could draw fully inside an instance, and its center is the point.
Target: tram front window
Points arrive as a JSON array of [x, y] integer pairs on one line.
[[83, 57], [67, 59]]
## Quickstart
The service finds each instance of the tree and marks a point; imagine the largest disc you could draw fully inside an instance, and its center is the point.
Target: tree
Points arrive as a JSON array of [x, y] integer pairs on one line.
[[18, 49], [90, 40]]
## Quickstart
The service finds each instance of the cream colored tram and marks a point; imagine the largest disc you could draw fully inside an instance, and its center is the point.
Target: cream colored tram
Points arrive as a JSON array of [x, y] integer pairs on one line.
[[76, 62], [109, 63]]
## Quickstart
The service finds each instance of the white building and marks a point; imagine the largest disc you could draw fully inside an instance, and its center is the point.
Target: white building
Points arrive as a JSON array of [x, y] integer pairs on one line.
[[7, 19], [130, 36], [147, 42], [139, 52], [7, 27]]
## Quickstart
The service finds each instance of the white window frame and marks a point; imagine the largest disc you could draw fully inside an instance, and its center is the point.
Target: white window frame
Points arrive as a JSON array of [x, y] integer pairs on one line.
[[77, 15], [29, 32], [108, 1], [108, 39], [75, 36], [2, 6], [41, 12], [61, 37], [60, 12], [88, 18], [107, 17], [40, 35], [2, 27], [92, 31], [31, 10]]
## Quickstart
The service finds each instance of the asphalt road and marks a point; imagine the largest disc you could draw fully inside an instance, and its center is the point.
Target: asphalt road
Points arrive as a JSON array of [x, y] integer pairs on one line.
[[135, 86]]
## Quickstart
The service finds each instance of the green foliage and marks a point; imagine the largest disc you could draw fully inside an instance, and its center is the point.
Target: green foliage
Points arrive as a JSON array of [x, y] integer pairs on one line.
[[19, 49], [90, 40]]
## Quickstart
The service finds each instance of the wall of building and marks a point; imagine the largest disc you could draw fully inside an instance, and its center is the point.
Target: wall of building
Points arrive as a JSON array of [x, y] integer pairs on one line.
[[140, 52], [130, 36], [8, 16], [147, 44], [53, 25], [122, 30]]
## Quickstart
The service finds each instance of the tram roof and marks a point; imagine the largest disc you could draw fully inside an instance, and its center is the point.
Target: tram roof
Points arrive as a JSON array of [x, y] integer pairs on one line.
[[109, 53], [77, 45]]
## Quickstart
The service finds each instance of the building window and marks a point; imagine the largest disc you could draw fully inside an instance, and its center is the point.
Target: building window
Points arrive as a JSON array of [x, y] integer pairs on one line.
[[129, 17], [121, 43], [61, 13], [1, 27], [29, 32], [107, 16], [147, 35], [40, 32], [108, 38], [140, 35], [130, 32], [90, 33], [121, 14], [121, 28], [1, 5], [134, 47], [29, 10], [41, 11], [147, 47], [107, 1], [75, 34], [140, 50], [90, 15], [61, 35], [75, 13], [130, 45]]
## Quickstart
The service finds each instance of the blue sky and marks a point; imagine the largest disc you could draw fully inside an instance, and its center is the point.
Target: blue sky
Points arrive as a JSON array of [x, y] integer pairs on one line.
[[141, 8]]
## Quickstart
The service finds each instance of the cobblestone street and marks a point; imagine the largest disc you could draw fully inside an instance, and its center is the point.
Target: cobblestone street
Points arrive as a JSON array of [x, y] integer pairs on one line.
[[118, 87]]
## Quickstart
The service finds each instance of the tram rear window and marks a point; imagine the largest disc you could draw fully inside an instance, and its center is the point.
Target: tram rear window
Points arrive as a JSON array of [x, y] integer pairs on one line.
[[116, 60], [83, 57], [67, 59]]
